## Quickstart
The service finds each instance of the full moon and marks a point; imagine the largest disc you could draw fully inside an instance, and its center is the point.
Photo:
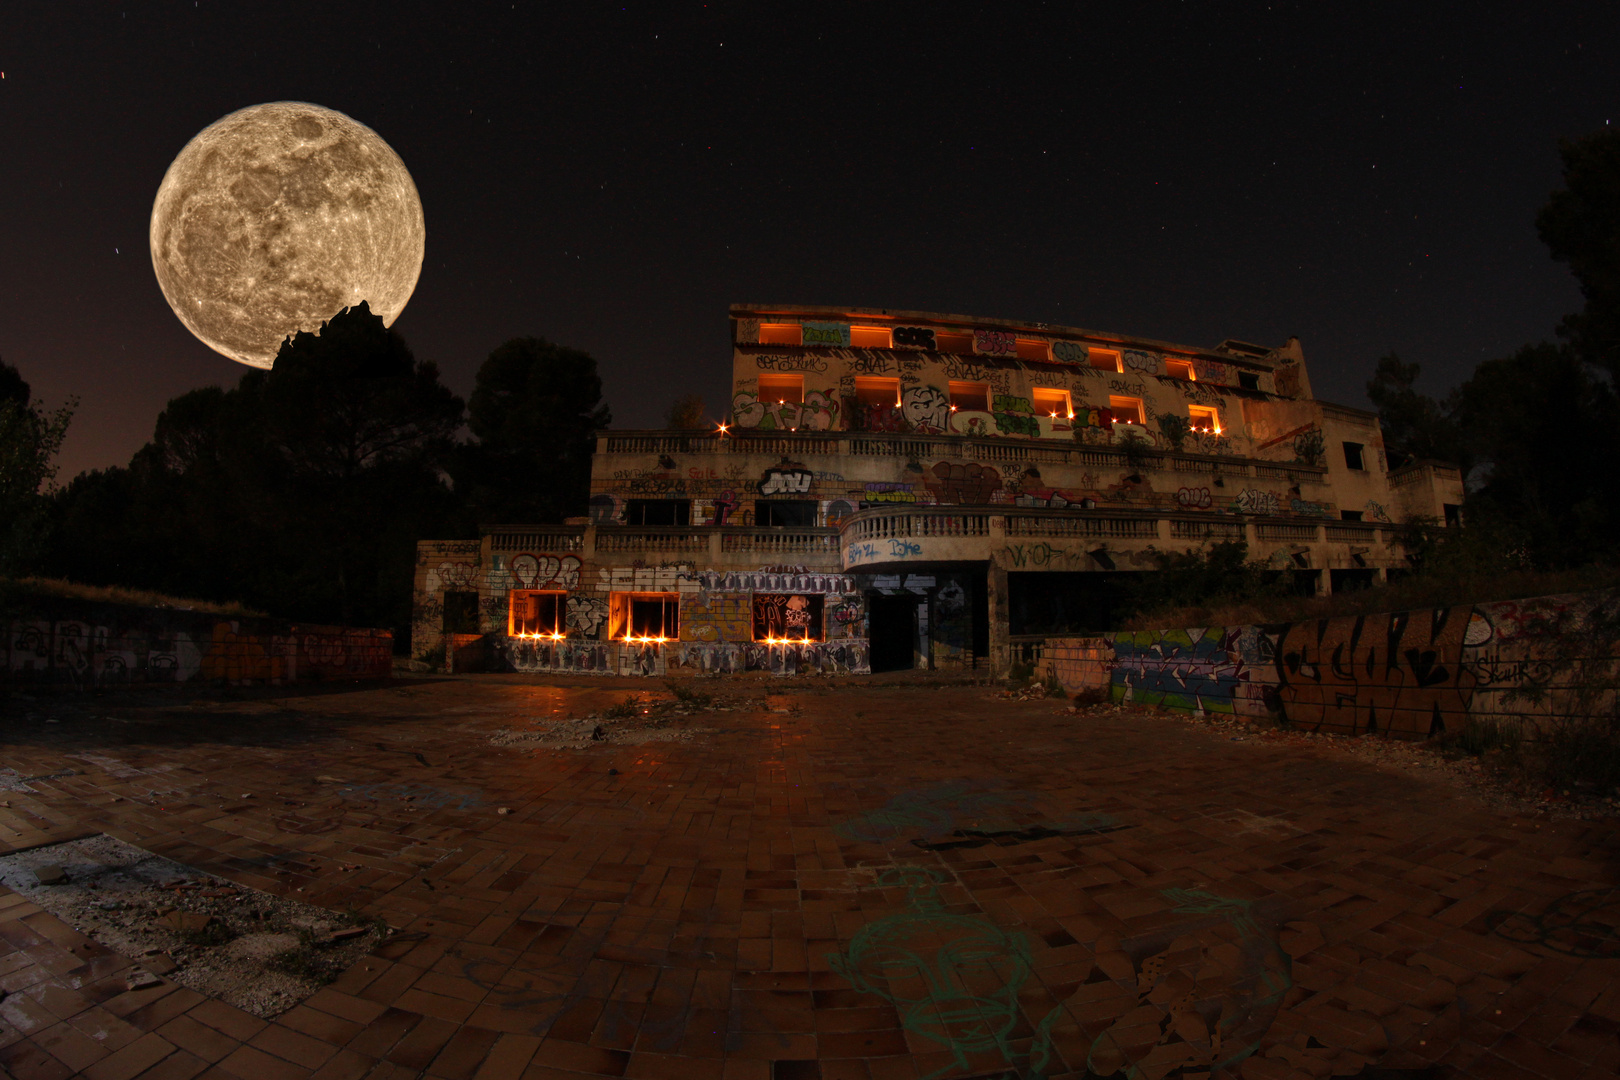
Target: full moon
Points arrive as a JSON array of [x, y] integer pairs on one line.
[[277, 217]]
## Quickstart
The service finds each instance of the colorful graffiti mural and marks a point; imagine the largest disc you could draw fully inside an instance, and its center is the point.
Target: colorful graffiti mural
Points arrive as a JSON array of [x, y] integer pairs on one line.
[[1412, 674]]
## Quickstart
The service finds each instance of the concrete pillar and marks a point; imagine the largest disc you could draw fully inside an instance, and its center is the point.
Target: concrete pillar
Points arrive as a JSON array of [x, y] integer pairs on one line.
[[1000, 611]]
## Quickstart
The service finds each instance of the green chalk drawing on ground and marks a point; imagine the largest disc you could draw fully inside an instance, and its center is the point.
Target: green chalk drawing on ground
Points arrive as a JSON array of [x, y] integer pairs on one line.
[[1210, 1024], [953, 978], [1584, 924]]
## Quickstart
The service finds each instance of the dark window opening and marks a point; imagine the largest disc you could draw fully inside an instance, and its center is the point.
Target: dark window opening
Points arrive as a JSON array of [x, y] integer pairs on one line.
[[1352, 456], [1350, 515], [784, 617], [790, 512], [658, 512], [892, 626], [1352, 580], [1249, 380], [460, 613], [537, 614], [1453, 514], [644, 616], [1051, 602]]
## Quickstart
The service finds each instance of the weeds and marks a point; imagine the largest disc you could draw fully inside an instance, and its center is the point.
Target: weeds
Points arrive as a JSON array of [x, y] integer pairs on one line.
[[695, 699], [628, 708], [307, 959]]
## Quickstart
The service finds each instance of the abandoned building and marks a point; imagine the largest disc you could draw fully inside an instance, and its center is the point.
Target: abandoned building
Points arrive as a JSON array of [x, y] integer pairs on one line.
[[899, 489]]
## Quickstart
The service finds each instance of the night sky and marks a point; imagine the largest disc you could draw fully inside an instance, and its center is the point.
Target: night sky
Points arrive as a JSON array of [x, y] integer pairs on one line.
[[611, 177]]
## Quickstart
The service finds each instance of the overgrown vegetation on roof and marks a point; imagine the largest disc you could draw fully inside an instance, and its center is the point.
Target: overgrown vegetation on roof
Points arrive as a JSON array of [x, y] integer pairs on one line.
[[15, 591]]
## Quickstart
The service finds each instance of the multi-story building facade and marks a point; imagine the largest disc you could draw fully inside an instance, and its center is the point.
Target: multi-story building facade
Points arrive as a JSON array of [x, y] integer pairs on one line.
[[899, 489]]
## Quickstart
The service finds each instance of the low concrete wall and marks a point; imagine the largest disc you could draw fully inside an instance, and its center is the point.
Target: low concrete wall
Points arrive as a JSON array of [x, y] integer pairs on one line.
[[82, 643], [1411, 673]]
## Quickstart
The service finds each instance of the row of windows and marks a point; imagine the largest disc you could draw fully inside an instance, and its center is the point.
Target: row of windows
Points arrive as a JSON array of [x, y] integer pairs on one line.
[[640, 617], [883, 337], [795, 513], [975, 397]]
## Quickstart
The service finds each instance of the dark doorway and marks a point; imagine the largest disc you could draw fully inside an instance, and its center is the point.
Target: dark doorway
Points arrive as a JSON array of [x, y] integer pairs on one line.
[[979, 597], [892, 622]]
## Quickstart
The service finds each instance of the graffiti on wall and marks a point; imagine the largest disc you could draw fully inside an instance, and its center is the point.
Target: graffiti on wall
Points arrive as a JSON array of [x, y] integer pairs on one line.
[[796, 579], [791, 362], [1197, 498], [545, 571], [957, 484], [926, 408], [994, 343], [827, 333], [1192, 669], [818, 412], [795, 481], [1399, 673], [913, 337], [585, 615], [1255, 501], [716, 616], [1143, 363]]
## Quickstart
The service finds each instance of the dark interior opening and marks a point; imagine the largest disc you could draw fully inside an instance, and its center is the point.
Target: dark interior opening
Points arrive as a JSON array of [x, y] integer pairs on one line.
[[797, 513], [892, 624], [1056, 603], [658, 512], [460, 613]]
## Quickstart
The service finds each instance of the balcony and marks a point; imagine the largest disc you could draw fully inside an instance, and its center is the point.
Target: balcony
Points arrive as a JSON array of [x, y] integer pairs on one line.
[[724, 546], [1000, 452]]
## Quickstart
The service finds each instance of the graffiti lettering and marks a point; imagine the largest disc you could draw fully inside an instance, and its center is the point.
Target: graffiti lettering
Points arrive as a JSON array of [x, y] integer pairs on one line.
[[964, 485], [586, 614], [1194, 498], [791, 362], [914, 337], [994, 343], [1070, 352], [1041, 554], [1253, 501], [1137, 360], [827, 333], [786, 481]]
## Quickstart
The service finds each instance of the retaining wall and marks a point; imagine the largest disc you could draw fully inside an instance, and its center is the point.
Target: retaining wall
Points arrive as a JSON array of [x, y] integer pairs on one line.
[[1412, 674], [83, 643]]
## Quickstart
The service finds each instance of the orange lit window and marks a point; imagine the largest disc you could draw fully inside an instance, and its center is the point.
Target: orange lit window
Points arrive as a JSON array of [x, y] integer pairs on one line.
[[870, 337], [781, 334], [957, 343], [1204, 419], [780, 618], [877, 390], [788, 388], [1033, 350], [970, 396], [1105, 360], [536, 614], [1126, 410], [1049, 402], [1180, 369], [644, 617]]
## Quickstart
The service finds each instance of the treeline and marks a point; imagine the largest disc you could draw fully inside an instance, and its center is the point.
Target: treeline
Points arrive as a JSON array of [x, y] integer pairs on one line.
[[303, 490], [1535, 433]]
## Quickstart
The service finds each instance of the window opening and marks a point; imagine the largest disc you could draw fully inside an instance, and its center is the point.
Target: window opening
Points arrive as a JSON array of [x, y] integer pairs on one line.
[[1353, 457], [536, 614], [643, 618], [1105, 359], [781, 334], [460, 612], [658, 512], [1453, 514], [870, 337], [1126, 410], [1249, 380], [1349, 515], [794, 513], [956, 343], [1049, 402], [877, 390], [1203, 418], [782, 388], [1180, 369], [1033, 350], [780, 618], [970, 396]]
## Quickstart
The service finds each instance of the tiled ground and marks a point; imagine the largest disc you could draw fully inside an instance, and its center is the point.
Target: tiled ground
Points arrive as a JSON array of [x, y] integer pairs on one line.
[[862, 882]]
